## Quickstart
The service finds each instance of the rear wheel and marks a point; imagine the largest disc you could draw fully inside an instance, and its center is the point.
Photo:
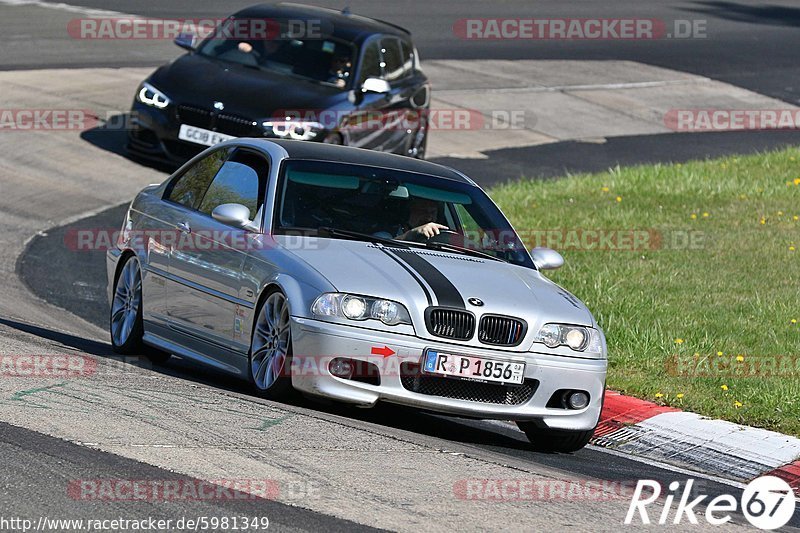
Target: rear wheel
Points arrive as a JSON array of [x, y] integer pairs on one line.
[[126, 324], [271, 349], [555, 440]]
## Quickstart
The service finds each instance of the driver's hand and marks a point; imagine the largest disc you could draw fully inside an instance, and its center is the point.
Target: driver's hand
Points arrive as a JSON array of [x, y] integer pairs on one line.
[[430, 229]]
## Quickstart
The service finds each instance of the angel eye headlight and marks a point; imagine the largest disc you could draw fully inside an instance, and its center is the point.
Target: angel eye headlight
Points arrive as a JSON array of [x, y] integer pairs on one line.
[[387, 312], [151, 96], [288, 129], [578, 338], [354, 307]]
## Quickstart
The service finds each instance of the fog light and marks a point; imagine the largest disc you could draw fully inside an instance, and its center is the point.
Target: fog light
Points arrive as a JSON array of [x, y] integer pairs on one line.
[[341, 368], [577, 400]]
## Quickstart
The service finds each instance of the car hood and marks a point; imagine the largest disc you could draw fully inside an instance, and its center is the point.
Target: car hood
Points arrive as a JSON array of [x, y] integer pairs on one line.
[[199, 81], [416, 277]]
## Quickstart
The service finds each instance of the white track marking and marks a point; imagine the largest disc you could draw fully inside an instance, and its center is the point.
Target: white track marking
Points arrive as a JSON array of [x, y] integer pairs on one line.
[[88, 11]]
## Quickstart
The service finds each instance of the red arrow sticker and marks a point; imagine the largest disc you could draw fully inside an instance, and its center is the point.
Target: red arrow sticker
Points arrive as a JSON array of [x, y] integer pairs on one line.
[[384, 351]]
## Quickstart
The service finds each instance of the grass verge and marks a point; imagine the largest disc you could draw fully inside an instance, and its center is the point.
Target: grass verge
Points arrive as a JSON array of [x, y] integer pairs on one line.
[[702, 310]]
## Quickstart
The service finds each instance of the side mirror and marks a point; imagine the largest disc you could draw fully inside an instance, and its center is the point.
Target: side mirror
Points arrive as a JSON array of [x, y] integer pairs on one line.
[[185, 40], [376, 85], [546, 258], [231, 214]]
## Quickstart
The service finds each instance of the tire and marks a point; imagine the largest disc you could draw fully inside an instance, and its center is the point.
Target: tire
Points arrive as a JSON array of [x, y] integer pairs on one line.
[[555, 440], [269, 360], [126, 338], [125, 321]]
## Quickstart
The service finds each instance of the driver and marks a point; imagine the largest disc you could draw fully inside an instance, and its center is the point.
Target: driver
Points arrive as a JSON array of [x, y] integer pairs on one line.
[[340, 70], [421, 214]]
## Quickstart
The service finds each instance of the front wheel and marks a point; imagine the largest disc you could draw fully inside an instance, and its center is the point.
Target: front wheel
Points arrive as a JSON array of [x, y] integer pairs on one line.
[[555, 440], [126, 324], [271, 349]]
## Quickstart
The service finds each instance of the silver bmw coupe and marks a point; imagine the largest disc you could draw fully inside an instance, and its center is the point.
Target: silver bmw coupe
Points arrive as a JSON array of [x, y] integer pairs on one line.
[[355, 276]]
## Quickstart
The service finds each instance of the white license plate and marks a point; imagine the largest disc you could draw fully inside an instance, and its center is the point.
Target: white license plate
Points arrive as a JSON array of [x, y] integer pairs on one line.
[[475, 368], [197, 135]]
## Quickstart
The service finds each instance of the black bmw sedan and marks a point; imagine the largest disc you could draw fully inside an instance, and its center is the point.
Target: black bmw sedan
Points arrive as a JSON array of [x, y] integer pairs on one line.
[[314, 74]]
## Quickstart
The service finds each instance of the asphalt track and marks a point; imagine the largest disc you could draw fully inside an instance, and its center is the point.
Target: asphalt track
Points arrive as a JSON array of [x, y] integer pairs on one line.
[[36, 466]]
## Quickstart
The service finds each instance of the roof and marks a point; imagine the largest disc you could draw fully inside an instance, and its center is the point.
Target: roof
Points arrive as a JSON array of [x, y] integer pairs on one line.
[[359, 156], [346, 26]]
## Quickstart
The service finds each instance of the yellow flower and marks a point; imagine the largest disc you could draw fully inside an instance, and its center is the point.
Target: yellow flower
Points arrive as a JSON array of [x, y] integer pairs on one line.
[[705, 215], [763, 220], [795, 217], [659, 395], [604, 189], [619, 198], [693, 216], [678, 341], [679, 395], [797, 181], [740, 358], [780, 213], [724, 387], [794, 321], [737, 404], [791, 248], [719, 353]]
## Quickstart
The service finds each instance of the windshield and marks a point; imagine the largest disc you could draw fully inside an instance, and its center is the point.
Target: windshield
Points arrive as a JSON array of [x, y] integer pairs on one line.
[[327, 61], [392, 204]]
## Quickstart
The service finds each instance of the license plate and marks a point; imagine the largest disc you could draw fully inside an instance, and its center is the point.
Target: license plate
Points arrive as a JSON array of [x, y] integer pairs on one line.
[[197, 135], [474, 368]]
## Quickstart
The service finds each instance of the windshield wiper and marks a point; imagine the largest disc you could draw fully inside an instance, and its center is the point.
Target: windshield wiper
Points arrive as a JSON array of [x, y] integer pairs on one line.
[[445, 247], [325, 231]]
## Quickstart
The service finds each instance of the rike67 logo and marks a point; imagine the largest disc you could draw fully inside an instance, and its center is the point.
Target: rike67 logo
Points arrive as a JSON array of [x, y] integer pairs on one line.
[[767, 502]]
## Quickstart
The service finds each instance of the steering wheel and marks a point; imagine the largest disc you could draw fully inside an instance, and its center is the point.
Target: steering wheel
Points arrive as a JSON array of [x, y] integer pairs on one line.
[[446, 236]]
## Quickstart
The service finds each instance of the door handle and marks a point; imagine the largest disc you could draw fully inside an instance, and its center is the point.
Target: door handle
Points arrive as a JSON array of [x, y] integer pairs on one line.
[[184, 227]]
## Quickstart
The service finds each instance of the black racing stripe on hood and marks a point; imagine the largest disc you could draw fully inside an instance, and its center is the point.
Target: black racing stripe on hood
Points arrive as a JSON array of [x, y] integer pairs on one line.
[[410, 273], [446, 293]]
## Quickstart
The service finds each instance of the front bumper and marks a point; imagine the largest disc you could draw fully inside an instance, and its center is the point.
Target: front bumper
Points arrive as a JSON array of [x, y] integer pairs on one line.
[[315, 343], [153, 135]]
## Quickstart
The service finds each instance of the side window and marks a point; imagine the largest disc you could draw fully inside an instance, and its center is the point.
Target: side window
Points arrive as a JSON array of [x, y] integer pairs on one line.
[[371, 62], [468, 224], [241, 180], [393, 64], [188, 189]]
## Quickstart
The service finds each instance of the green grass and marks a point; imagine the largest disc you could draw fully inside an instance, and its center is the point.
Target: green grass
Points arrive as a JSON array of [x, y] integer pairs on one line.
[[736, 293]]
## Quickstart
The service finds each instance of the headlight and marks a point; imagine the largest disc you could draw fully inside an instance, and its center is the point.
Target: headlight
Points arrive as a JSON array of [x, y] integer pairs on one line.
[[355, 307], [578, 338], [298, 130], [151, 96]]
